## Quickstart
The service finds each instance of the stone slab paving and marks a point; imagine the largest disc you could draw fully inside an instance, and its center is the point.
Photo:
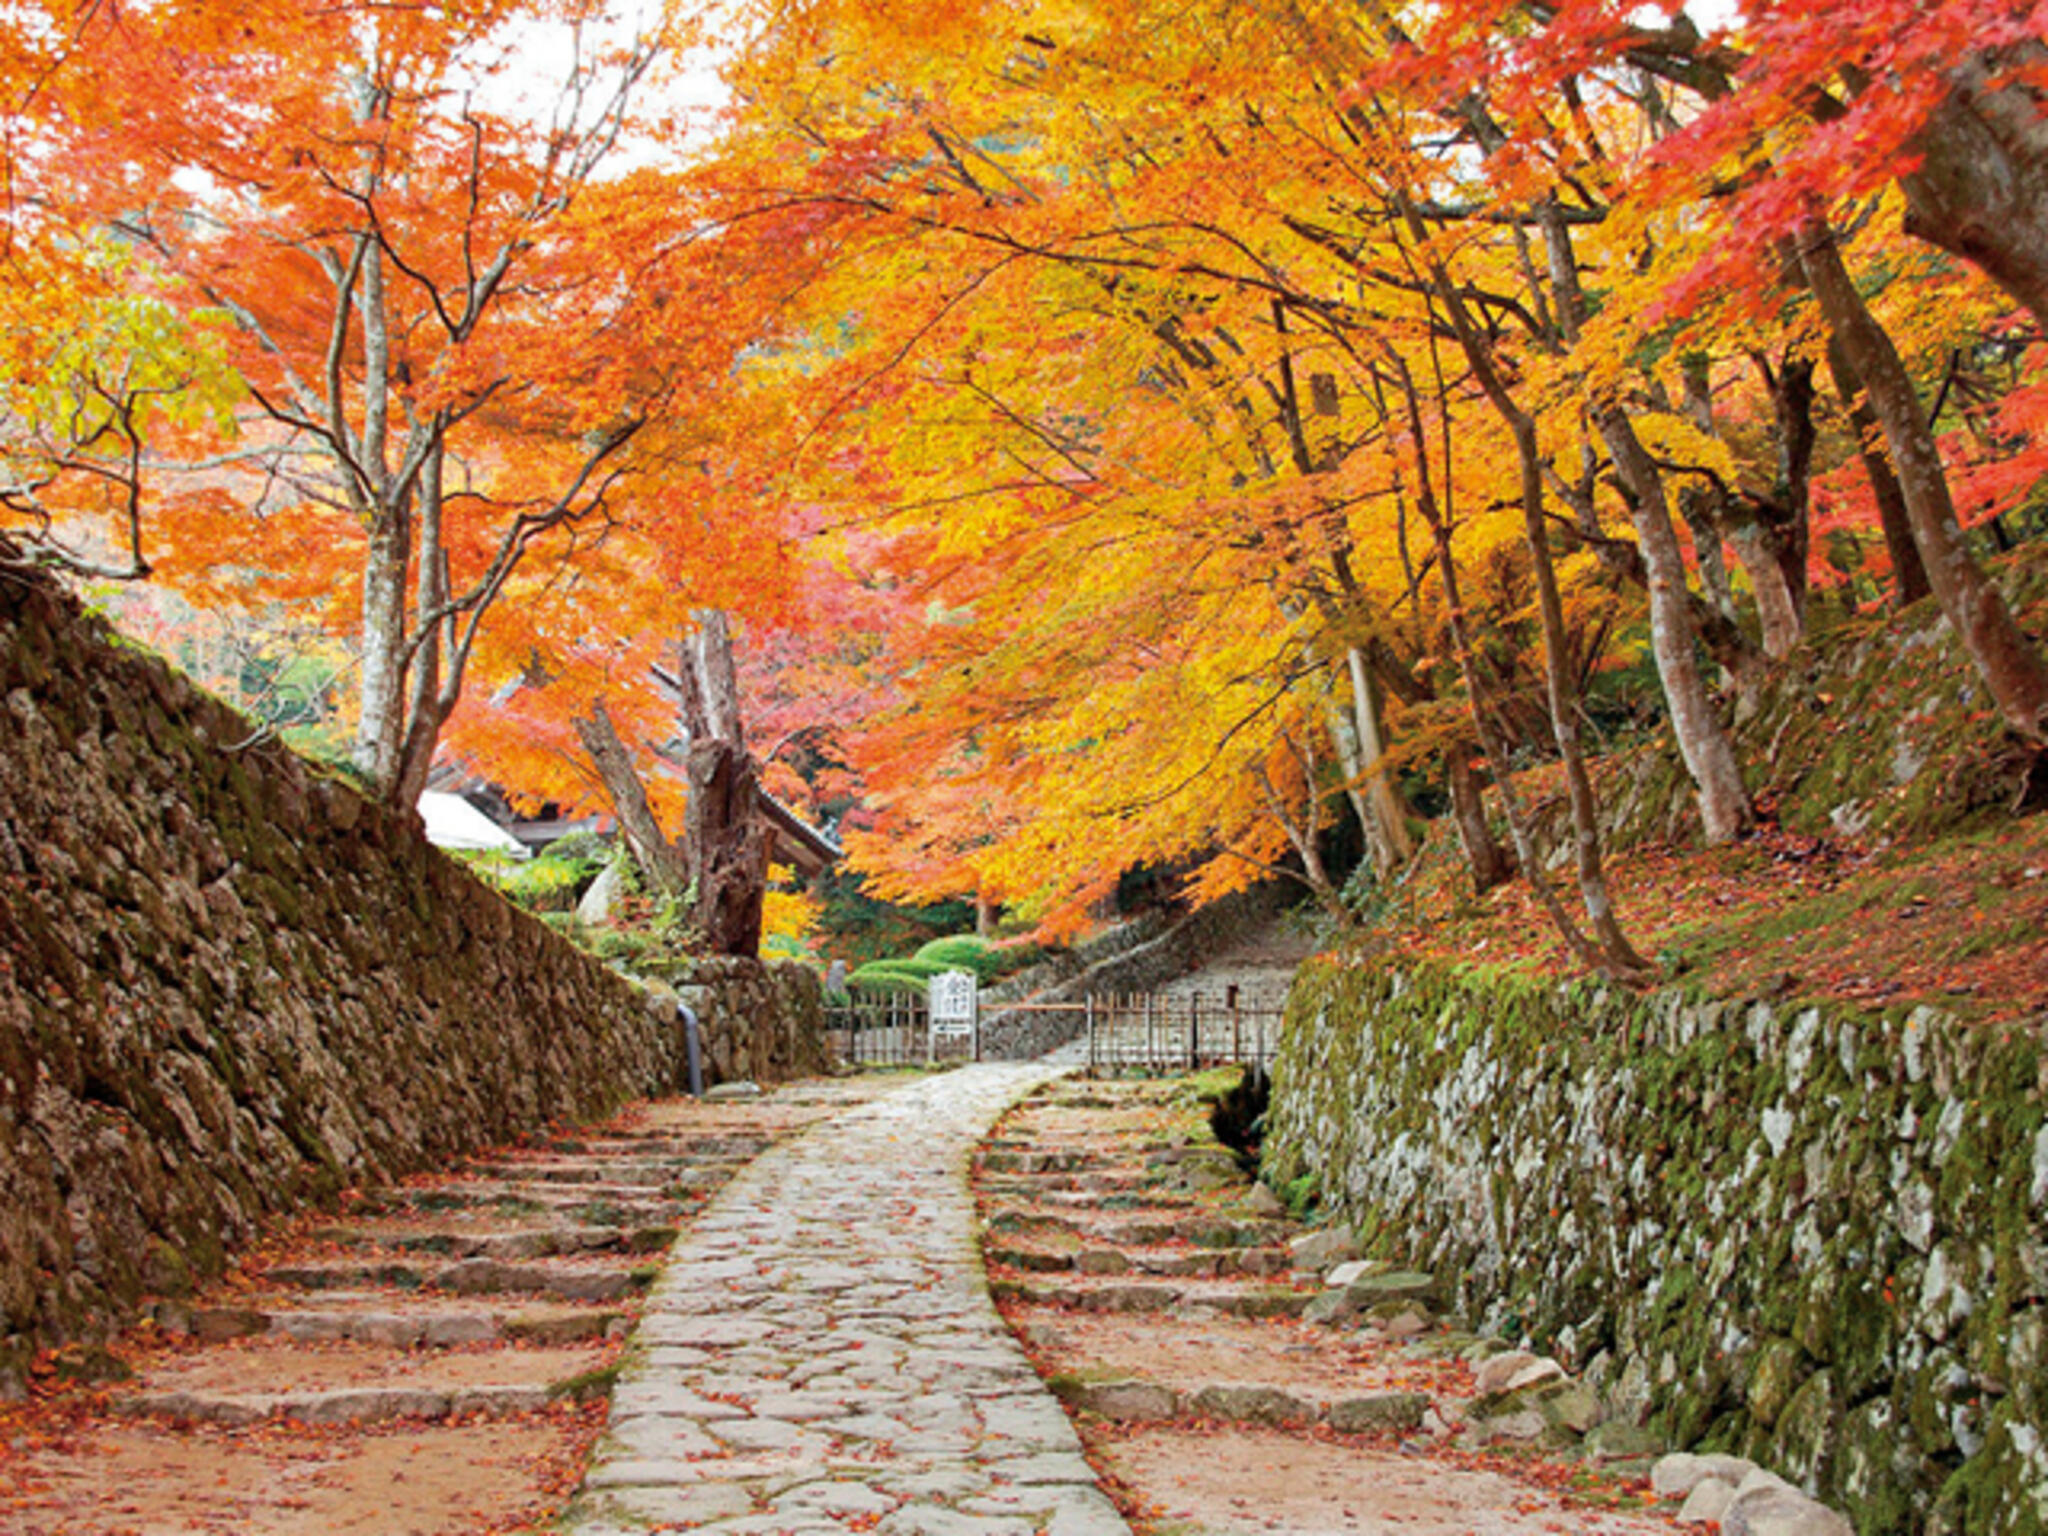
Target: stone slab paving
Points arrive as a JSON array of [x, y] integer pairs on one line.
[[821, 1354]]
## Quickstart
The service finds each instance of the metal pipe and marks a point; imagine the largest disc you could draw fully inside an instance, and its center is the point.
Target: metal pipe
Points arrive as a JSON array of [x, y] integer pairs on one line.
[[693, 1048]]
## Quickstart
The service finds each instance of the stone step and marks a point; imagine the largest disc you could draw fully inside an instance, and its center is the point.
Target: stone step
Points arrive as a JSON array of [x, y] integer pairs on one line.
[[374, 1321], [1035, 1163], [524, 1243], [1221, 1232], [346, 1405], [620, 1175], [695, 1149], [1147, 1199], [1027, 1223], [1133, 1400], [545, 1203], [470, 1277], [1034, 1260]]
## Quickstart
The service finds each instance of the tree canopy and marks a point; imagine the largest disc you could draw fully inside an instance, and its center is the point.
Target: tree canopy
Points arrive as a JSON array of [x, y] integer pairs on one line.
[[1122, 436]]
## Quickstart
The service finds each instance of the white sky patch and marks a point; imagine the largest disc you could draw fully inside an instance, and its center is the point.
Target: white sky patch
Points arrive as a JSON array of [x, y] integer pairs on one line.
[[673, 107]]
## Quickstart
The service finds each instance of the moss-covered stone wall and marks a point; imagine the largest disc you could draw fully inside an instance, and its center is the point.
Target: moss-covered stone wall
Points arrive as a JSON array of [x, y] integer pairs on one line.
[[1812, 1236], [231, 986]]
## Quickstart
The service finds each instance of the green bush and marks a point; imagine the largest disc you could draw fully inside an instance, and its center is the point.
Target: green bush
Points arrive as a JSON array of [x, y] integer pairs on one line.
[[622, 946], [593, 848], [966, 952], [963, 952], [914, 970], [885, 983], [546, 885]]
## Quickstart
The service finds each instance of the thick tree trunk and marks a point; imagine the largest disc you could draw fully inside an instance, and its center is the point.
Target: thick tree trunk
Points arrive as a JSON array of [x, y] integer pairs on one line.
[[1909, 575], [727, 839], [1981, 189], [2008, 664], [381, 720], [431, 701], [1789, 515], [1724, 802], [1489, 863], [663, 863], [728, 845]]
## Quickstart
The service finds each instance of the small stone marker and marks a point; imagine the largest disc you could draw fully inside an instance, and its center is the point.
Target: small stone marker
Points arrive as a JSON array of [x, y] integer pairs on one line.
[[596, 905], [954, 1007]]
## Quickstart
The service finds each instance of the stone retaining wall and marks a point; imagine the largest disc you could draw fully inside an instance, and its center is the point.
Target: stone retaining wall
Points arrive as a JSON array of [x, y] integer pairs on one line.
[[760, 1022], [1808, 1235], [230, 987]]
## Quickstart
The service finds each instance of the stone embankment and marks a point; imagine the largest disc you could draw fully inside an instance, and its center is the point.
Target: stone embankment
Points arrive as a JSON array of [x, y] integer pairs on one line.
[[1807, 1236], [231, 986]]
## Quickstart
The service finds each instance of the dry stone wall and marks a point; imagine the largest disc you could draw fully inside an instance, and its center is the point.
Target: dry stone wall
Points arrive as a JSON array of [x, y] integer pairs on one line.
[[230, 986], [1811, 1236], [758, 1023]]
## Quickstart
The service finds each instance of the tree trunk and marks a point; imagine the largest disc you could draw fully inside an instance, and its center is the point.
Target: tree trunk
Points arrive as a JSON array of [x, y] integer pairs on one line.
[[1789, 515], [1610, 951], [728, 845], [1489, 863], [2011, 670], [1588, 953], [1777, 610], [1981, 189], [1564, 719], [380, 722], [1695, 503], [1724, 802], [1345, 735], [1909, 575], [1388, 819], [662, 862], [727, 839]]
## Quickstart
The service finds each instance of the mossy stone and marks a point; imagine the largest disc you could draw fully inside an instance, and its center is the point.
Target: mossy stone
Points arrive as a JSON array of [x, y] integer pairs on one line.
[[1878, 1474], [1808, 1432], [1774, 1375]]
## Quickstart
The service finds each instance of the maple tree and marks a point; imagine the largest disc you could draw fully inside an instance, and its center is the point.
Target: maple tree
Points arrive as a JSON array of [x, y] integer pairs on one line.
[[1145, 272], [419, 296], [1213, 422]]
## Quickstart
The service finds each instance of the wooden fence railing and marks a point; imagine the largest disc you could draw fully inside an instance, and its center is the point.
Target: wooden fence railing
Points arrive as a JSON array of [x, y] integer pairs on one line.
[[1149, 1032]]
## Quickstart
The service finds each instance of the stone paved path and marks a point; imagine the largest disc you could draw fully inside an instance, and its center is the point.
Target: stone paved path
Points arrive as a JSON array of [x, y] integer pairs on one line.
[[821, 1353]]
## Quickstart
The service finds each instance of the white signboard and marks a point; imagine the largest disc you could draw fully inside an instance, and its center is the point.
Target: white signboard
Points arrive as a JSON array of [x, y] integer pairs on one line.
[[953, 1006]]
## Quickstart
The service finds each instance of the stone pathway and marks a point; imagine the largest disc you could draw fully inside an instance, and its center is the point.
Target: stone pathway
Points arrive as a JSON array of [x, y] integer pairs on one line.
[[431, 1360], [822, 1355], [1190, 1324]]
